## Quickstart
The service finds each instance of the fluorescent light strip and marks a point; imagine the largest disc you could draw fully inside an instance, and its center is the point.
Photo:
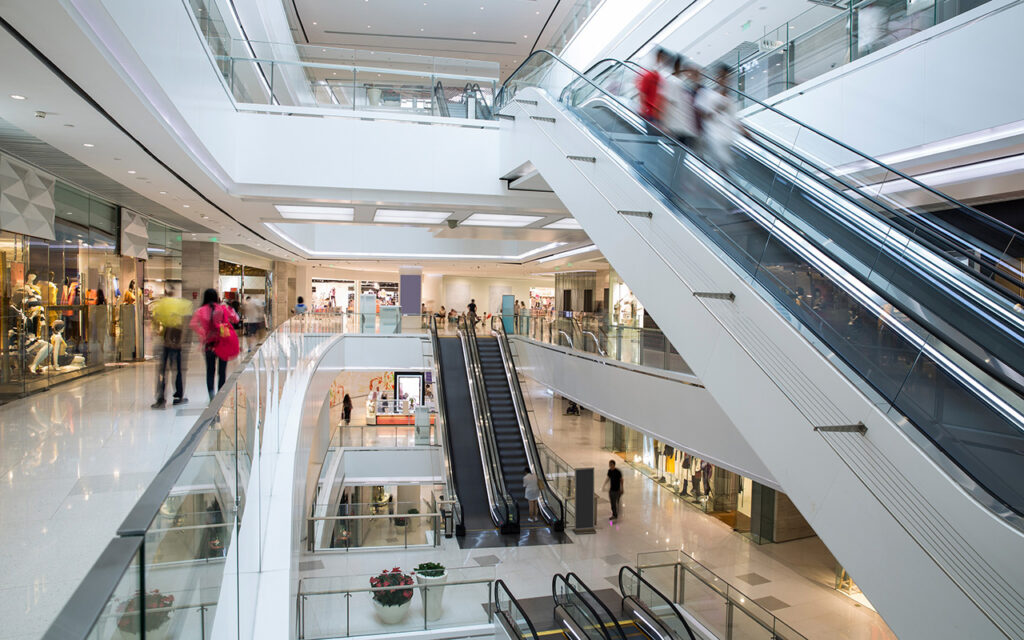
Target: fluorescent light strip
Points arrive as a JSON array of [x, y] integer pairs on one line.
[[571, 252], [564, 223], [406, 216], [301, 212], [499, 220], [426, 256]]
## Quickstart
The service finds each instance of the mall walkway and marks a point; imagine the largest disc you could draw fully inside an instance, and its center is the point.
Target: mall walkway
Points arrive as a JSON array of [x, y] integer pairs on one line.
[[73, 461]]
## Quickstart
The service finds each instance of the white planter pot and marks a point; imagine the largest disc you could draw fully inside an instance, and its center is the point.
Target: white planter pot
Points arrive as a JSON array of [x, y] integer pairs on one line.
[[432, 594], [393, 614]]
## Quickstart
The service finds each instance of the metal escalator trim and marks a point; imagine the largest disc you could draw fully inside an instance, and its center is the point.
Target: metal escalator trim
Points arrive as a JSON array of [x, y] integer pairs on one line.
[[641, 581], [646, 620], [571, 576]]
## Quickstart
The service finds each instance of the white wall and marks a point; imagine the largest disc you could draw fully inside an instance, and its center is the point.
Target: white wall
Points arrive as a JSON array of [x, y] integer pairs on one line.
[[955, 78], [672, 407], [458, 290]]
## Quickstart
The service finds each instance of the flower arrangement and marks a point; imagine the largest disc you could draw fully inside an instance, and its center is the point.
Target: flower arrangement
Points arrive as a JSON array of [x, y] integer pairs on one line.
[[156, 605], [399, 595], [430, 569]]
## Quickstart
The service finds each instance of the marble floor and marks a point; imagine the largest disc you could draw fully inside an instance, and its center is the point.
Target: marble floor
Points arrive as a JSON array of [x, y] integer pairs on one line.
[[73, 461], [796, 574]]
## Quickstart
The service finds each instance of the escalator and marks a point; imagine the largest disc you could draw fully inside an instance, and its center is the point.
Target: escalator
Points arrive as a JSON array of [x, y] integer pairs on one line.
[[479, 492], [508, 421], [870, 355]]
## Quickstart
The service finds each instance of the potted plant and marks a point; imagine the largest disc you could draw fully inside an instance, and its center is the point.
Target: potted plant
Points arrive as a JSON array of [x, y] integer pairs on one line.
[[432, 575], [157, 612], [392, 604]]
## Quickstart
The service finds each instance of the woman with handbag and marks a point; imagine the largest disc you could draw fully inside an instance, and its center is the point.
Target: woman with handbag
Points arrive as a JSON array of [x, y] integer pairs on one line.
[[213, 322]]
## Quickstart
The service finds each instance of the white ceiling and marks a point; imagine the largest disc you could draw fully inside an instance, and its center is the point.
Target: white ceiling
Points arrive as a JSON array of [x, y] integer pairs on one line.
[[503, 31]]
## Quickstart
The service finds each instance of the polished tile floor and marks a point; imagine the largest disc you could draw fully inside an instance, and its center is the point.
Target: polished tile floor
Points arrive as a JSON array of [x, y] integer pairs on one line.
[[793, 579], [73, 461]]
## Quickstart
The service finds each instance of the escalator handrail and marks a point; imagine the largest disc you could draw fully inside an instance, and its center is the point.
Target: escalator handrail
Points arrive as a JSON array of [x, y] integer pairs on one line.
[[554, 595], [590, 592], [869, 297], [472, 89], [441, 100], [442, 423], [936, 232], [640, 580], [496, 494], [486, 428], [501, 587], [989, 361], [980, 216], [557, 516]]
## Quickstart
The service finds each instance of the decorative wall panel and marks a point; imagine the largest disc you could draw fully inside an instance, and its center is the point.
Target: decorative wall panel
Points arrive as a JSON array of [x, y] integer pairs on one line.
[[26, 199]]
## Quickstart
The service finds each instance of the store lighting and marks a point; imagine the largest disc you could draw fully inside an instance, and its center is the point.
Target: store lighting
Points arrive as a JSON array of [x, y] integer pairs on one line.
[[564, 223], [405, 216], [571, 252], [300, 212], [498, 220], [88, 145], [17, 97]]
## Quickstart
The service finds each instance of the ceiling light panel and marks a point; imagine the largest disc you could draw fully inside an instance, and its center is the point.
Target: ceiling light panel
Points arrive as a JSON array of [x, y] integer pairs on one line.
[[406, 216], [564, 223], [300, 212], [498, 220], [571, 252]]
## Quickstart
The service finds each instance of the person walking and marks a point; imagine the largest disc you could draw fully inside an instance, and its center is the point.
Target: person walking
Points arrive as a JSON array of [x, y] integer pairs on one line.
[[471, 307], [169, 323], [300, 306], [531, 485], [212, 323], [614, 485], [346, 409]]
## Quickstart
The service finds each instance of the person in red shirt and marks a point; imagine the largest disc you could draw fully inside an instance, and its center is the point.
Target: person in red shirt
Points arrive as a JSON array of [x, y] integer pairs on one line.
[[649, 84]]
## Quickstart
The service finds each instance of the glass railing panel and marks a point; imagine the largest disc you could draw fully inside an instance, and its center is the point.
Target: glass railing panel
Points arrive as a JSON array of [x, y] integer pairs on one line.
[[349, 533], [123, 613], [331, 608], [581, 612], [703, 596]]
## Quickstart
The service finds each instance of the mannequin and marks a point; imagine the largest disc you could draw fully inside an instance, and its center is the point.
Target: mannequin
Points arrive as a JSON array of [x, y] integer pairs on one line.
[[56, 351], [50, 298], [129, 295]]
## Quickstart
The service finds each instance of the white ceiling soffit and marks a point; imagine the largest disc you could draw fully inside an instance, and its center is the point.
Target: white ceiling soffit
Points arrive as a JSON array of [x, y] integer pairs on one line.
[[33, 150], [504, 31]]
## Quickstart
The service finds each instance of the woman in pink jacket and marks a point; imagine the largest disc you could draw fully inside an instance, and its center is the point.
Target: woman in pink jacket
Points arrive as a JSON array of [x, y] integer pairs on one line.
[[206, 323]]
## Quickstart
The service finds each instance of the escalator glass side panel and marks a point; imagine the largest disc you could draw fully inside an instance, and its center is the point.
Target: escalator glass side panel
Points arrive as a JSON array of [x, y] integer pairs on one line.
[[878, 341]]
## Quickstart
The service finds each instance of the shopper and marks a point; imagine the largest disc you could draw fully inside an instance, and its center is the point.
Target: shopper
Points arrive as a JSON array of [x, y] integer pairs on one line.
[[531, 485], [614, 485], [300, 306], [681, 118], [705, 476], [212, 323], [717, 111], [346, 409], [169, 323], [471, 307], [649, 85]]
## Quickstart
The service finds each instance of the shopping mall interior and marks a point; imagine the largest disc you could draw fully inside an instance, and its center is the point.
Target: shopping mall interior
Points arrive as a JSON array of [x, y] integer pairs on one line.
[[513, 319]]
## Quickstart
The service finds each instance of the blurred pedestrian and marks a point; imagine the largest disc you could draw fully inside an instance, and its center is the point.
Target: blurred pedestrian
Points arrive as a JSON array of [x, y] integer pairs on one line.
[[719, 124], [212, 323], [168, 314]]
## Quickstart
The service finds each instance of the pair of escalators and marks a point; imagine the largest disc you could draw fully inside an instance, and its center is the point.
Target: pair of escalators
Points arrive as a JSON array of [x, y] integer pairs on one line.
[[490, 440], [917, 296], [454, 102], [637, 610]]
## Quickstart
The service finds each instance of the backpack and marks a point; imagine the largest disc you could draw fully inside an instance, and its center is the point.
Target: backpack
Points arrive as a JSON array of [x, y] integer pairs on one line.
[[225, 341]]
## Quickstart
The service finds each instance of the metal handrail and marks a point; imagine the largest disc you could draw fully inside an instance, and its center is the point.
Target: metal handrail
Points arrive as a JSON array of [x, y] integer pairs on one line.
[[560, 602], [567, 338], [441, 424], [441, 101], [597, 343], [556, 517], [493, 477], [640, 580], [501, 588], [572, 577], [934, 231]]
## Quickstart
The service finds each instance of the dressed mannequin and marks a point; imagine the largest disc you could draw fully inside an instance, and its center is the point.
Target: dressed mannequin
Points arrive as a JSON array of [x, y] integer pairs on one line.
[[56, 351], [50, 297], [130, 296]]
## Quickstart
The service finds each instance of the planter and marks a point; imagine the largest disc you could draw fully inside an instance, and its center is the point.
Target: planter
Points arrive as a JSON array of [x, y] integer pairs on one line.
[[160, 633], [393, 614], [432, 594]]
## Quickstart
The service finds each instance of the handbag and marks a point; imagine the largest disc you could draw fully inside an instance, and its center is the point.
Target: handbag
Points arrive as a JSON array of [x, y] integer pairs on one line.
[[225, 344]]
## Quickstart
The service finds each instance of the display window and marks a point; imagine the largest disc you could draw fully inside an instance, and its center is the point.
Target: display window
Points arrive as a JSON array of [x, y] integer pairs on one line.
[[385, 292], [64, 312], [542, 299], [334, 295]]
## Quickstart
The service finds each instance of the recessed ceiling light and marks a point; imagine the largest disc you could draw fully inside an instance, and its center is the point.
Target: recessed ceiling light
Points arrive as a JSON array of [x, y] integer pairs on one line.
[[498, 220], [186, 206], [421, 28], [526, 36], [131, 171], [314, 24], [406, 216], [367, 26], [17, 97], [204, 216], [88, 145], [474, 33], [564, 223], [301, 212]]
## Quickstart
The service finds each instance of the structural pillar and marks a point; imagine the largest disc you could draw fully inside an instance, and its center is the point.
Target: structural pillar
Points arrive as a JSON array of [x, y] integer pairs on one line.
[[200, 269]]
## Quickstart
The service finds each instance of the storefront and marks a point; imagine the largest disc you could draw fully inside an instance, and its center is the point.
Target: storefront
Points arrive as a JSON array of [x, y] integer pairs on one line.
[[542, 299], [71, 305], [334, 295], [386, 292], [624, 307]]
